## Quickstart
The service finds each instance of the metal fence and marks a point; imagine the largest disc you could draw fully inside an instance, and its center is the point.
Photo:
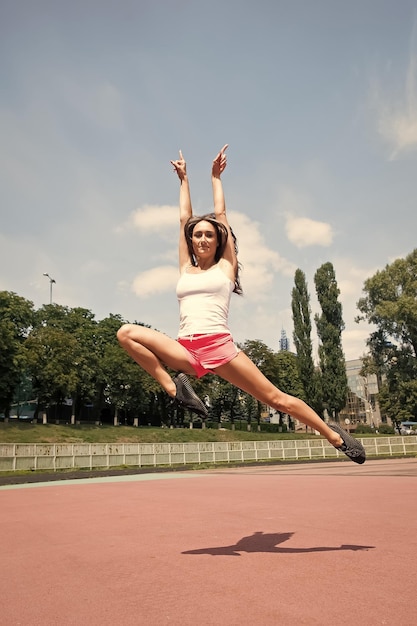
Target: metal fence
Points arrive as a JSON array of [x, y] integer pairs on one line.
[[64, 456]]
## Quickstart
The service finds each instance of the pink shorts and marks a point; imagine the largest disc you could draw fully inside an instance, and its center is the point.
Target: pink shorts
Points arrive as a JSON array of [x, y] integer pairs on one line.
[[206, 352]]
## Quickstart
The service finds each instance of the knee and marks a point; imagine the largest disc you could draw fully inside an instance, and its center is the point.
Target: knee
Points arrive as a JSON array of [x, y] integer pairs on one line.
[[283, 402], [123, 334]]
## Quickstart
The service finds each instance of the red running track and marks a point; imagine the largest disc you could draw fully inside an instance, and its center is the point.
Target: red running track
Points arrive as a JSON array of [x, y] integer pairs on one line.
[[323, 543]]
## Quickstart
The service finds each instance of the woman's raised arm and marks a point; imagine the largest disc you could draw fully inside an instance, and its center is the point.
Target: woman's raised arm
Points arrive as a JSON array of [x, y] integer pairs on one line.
[[218, 167], [219, 202], [186, 211]]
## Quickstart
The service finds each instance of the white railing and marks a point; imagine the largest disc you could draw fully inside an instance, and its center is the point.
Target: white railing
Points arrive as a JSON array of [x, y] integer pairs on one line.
[[64, 456]]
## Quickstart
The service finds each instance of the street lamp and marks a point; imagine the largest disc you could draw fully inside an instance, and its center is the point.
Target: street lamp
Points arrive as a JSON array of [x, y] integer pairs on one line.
[[51, 280]]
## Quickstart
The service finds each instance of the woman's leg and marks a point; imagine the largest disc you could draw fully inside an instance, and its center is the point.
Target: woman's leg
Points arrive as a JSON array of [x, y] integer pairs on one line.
[[150, 349], [244, 374]]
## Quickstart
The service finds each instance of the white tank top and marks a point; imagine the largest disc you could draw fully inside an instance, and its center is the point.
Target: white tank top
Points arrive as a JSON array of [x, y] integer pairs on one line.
[[204, 300]]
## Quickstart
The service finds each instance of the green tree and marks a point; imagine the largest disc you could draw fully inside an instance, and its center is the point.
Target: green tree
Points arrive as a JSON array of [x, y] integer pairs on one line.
[[50, 354], [122, 384], [16, 318], [301, 314], [329, 329], [62, 355], [224, 400], [390, 304], [288, 378], [250, 409], [398, 393], [263, 357], [399, 402]]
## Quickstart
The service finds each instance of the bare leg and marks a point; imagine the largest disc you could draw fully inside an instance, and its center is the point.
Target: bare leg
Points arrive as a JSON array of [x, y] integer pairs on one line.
[[244, 374], [150, 349]]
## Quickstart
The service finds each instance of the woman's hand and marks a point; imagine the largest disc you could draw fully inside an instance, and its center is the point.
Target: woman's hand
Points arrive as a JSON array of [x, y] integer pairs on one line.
[[219, 163], [180, 167]]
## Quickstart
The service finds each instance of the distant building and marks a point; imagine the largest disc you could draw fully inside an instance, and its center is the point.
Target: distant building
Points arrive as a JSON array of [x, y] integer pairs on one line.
[[284, 342], [362, 403]]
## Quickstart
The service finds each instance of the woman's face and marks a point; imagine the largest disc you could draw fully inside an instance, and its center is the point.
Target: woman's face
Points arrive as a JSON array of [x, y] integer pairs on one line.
[[204, 239]]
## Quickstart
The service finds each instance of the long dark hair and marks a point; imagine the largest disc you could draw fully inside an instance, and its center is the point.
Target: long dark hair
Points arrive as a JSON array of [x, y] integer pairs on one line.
[[222, 237]]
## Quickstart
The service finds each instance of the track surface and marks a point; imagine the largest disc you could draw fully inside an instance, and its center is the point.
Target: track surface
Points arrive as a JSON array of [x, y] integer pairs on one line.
[[309, 544]]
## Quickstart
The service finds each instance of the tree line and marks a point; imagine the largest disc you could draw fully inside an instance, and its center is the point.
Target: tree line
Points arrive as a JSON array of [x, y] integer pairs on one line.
[[63, 356]]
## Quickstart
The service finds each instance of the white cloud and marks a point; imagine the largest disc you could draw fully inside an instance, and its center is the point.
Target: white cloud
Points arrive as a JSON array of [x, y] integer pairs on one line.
[[252, 246], [156, 280], [399, 129], [152, 219], [259, 263], [397, 115], [350, 278], [303, 232], [354, 342]]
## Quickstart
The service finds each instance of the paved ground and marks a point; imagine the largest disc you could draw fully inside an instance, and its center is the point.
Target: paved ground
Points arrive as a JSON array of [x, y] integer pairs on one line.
[[309, 544]]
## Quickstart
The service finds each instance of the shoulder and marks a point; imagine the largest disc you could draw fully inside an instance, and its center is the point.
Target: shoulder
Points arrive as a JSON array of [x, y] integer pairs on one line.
[[188, 268], [227, 268]]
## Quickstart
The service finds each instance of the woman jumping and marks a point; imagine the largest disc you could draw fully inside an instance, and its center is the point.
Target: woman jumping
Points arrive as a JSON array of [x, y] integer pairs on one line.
[[209, 274]]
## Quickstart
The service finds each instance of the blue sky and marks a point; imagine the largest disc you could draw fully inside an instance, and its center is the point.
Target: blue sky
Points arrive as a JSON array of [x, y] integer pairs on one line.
[[316, 99]]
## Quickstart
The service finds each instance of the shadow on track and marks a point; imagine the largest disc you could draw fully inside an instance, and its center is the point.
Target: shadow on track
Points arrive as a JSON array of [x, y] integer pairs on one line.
[[268, 542]]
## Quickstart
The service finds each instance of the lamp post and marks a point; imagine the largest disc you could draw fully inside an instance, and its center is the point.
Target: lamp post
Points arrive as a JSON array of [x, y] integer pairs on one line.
[[51, 281]]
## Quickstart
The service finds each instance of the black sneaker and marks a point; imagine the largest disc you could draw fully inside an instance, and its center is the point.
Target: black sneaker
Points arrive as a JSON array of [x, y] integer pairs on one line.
[[187, 397], [350, 446]]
